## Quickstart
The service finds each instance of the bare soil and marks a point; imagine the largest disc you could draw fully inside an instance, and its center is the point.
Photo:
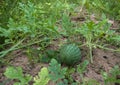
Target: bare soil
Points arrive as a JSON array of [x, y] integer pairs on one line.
[[103, 61]]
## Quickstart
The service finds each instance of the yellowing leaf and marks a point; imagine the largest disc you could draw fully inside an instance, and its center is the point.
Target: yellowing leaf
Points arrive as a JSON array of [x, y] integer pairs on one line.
[[42, 78]]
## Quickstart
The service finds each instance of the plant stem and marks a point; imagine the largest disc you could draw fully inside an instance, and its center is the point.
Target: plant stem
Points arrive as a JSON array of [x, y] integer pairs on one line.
[[90, 52], [3, 53]]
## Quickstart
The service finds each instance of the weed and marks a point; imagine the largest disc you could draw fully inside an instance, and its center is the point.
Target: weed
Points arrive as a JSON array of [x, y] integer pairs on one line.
[[48, 54], [56, 71], [112, 78], [81, 69], [34, 21], [67, 26], [96, 34], [69, 72], [17, 73], [90, 82], [33, 55], [42, 78], [24, 23]]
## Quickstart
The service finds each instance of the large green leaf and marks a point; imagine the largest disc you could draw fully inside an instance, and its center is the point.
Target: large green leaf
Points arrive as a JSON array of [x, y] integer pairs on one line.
[[56, 71], [42, 78], [17, 73]]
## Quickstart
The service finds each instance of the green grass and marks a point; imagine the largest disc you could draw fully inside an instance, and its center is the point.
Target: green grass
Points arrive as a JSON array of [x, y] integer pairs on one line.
[[24, 24]]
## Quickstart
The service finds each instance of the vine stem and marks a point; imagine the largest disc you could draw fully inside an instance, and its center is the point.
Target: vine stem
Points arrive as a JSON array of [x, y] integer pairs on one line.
[[3, 53]]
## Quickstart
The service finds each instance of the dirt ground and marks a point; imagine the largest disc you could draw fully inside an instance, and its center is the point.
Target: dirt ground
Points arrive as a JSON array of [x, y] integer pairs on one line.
[[103, 61]]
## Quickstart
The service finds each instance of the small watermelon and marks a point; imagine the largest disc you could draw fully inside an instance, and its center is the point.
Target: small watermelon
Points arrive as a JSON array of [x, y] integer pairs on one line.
[[70, 54]]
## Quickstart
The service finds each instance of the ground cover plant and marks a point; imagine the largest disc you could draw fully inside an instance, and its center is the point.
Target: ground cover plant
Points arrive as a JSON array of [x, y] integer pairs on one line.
[[59, 42]]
